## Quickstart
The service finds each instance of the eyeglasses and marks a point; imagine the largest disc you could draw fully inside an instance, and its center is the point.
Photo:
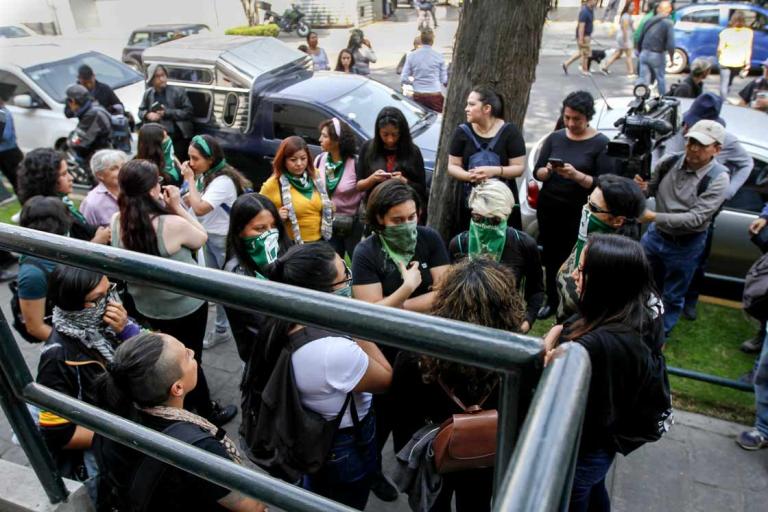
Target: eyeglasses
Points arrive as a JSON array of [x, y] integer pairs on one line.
[[491, 221], [596, 209], [347, 277]]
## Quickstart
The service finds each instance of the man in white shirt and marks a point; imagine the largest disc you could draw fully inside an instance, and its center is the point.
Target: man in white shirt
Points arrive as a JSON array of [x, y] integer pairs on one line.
[[426, 71]]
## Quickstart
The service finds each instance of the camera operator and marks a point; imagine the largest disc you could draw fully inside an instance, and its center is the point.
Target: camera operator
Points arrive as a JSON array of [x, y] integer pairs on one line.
[[94, 127], [689, 188]]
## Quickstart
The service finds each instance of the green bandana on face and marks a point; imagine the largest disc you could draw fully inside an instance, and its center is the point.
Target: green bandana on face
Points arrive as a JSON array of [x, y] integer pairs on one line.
[[168, 154], [399, 242], [263, 248], [301, 183], [589, 224], [487, 239], [72, 209], [200, 181]]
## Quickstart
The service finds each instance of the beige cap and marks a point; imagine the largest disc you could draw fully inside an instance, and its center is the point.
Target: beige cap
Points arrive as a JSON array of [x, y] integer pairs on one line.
[[707, 132]]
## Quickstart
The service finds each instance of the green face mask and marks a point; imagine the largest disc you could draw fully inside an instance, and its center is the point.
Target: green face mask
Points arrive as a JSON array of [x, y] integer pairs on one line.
[[589, 224], [399, 242], [487, 239], [263, 248]]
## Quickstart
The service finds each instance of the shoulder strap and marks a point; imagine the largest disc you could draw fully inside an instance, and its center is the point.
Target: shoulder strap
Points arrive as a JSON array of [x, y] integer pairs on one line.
[[496, 137], [663, 170], [461, 236], [468, 131], [307, 335], [458, 401], [646, 28], [713, 173]]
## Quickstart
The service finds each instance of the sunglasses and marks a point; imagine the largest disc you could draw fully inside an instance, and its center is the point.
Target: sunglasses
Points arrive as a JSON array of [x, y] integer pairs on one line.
[[596, 209], [347, 277], [491, 221]]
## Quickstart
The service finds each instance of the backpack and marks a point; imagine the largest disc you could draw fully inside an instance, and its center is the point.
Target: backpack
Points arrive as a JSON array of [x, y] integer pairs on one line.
[[18, 318], [755, 298], [484, 156], [277, 430]]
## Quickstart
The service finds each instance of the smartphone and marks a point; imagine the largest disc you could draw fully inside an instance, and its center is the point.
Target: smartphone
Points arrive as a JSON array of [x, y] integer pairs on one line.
[[556, 162]]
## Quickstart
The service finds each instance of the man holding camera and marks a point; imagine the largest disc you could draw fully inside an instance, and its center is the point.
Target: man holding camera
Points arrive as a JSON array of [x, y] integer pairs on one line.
[[689, 188], [170, 106]]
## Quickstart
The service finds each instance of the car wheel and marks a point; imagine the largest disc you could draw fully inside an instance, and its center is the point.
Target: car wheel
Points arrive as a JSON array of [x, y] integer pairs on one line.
[[678, 63], [302, 29]]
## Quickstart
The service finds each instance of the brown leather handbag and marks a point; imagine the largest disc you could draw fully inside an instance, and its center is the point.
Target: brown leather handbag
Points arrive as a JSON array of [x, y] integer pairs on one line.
[[468, 440]]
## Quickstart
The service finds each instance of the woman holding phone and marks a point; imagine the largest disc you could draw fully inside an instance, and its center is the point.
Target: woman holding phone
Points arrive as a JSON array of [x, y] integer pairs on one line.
[[568, 162]]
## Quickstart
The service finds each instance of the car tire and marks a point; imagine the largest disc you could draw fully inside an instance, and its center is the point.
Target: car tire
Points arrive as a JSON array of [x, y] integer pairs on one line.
[[678, 63], [302, 29]]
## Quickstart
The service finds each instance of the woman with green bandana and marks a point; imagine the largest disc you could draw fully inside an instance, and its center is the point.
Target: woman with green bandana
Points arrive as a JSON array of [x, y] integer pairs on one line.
[[398, 266], [43, 172], [337, 162], [256, 238], [156, 146], [300, 193], [213, 185], [613, 207], [490, 204]]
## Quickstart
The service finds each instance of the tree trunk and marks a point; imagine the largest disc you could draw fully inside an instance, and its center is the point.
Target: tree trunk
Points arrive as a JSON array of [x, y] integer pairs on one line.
[[497, 43], [251, 10]]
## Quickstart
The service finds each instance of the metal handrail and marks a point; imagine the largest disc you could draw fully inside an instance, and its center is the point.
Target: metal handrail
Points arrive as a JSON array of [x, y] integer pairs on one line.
[[516, 357]]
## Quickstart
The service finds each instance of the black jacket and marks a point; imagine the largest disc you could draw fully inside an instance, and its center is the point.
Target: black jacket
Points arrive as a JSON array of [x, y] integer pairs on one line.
[[178, 109], [687, 89], [94, 128], [106, 97]]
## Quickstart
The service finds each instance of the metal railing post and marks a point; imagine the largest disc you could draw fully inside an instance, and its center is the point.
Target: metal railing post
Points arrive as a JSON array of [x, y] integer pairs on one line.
[[21, 421]]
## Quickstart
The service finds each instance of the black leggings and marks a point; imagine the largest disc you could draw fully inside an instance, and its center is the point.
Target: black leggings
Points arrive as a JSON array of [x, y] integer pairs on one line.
[[558, 229], [190, 330]]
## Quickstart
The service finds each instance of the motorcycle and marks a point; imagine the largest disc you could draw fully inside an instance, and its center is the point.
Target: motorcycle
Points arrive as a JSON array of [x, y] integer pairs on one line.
[[77, 165], [292, 19]]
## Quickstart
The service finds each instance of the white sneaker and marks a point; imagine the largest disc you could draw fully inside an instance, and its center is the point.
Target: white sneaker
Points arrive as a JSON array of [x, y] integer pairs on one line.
[[213, 338], [16, 217]]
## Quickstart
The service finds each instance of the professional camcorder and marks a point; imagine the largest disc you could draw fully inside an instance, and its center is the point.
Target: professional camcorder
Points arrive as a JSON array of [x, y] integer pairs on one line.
[[647, 124]]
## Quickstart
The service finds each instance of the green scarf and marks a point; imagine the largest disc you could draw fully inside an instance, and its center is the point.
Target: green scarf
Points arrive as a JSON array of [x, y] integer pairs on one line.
[[486, 239], [263, 248], [72, 209], [589, 224], [170, 165], [332, 179], [399, 242], [200, 182], [303, 184]]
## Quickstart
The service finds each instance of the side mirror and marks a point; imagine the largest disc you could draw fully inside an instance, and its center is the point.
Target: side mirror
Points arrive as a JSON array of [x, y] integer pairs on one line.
[[24, 101]]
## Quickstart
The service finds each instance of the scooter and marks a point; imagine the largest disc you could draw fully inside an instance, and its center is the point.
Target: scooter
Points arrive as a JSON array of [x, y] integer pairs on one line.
[[292, 19]]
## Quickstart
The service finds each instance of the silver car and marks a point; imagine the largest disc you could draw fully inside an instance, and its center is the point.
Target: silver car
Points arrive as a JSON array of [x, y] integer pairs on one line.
[[732, 251]]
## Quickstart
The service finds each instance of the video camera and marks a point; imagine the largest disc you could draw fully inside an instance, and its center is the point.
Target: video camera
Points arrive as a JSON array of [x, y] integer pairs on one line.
[[647, 124]]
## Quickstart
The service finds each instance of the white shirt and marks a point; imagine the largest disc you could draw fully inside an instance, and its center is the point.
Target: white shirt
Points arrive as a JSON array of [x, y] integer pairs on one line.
[[325, 371], [220, 191]]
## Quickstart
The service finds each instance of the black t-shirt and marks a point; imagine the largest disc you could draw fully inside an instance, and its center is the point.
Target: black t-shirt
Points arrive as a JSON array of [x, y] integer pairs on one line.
[[371, 265], [749, 91], [177, 490], [587, 156]]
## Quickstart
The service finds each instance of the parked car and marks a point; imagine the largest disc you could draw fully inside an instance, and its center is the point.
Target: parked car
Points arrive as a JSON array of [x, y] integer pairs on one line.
[[698, 26], [252, 92], [732, 251], [41, 69], [14, 31], [151, 35]]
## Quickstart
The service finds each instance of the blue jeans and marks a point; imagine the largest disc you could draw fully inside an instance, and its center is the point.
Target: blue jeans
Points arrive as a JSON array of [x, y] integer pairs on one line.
[[652, 64], [215, 254], [346, 475], [761, 390], [588, 492], [674, 264]]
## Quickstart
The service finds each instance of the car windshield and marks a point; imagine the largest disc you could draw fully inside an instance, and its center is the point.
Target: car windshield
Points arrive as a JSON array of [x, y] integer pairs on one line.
[[363, 104], [55, 77], [11, 31]]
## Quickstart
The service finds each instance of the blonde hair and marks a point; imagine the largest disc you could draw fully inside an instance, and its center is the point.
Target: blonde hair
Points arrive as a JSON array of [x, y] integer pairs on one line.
[[492, 198]]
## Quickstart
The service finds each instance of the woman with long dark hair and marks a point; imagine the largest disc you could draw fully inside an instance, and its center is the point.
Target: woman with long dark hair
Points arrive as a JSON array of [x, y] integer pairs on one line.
[[147, 381], [323, 387], [620, 327], [482, 292], [337, 163], [345, 62], [361, 48], [152, 220], [256, 238], [213, 185], [156, 146], [299, 192], [391, 154]]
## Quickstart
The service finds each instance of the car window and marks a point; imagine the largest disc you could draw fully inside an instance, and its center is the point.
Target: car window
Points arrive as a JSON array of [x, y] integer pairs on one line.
[[194, 75], [752, 19], [201, 104], [140, 39], [55, 77], [11, 31], [708, 16], [13, 85], [754, 193], [298, 120]]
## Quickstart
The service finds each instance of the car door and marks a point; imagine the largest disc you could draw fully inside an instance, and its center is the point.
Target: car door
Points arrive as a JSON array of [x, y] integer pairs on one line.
[[697, 31], [732, 252], [757, 20]]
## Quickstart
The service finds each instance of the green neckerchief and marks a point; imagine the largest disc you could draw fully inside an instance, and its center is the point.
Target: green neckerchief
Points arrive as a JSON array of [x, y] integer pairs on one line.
[[589, 224], [213, 170], [303, 184], [399, 242], [170, 165], [332, 179], [72, 209], [263, 248], [486, 239]]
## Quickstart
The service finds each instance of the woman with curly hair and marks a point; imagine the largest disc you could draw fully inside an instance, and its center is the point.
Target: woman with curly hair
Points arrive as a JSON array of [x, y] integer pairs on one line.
[[337, 162], [482, 292]]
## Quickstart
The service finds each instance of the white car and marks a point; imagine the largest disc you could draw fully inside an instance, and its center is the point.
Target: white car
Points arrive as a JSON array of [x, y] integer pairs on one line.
[[732, 251], [41, 69]]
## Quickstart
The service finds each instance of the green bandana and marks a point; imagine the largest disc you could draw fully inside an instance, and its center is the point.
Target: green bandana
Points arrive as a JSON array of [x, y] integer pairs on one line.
[[72, 209], [302, 184], [170, 165], [486, 239], [399, 242], [332, 173], [589, 224], [213, 170], [263, 248]]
